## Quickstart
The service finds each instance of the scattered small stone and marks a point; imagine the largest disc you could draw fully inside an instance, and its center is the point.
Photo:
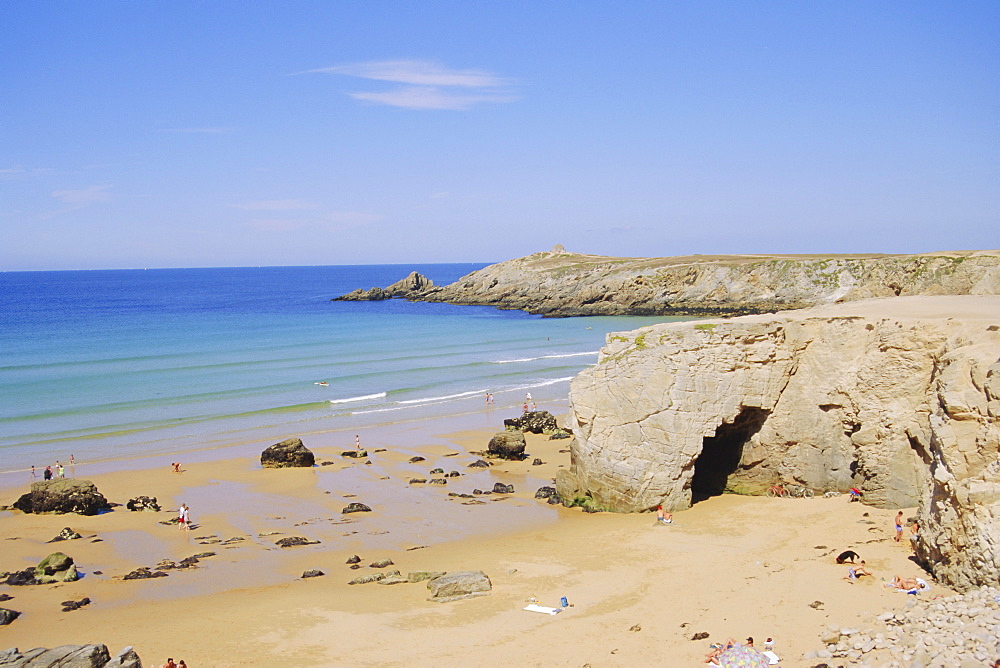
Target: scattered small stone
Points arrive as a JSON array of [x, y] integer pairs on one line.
[[439, 481], [500, 488], [265, 534], [479, 464], [415, 547], [326, 463], [7, 616], [70, 606], [701, 635], [312, 573], [816, 605], [414, 460], [379, 450], [98, 573], [66, 534], [418, 481], [820, 547], [453, 474], [5, 597], [201, 555], [97, 540], [537, 462], [354, 560], [436, 471], [381, 563], [293, 541], [635, 628], [143, 573]]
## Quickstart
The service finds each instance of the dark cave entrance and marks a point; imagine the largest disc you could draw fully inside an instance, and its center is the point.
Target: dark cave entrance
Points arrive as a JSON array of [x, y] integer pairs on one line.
[[721, 454]]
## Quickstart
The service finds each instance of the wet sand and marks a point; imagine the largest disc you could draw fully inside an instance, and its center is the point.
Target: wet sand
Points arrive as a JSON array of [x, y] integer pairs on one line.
[[730, 566]]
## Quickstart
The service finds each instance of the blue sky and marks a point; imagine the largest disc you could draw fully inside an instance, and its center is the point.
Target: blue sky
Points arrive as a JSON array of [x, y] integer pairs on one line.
[[171, 134]]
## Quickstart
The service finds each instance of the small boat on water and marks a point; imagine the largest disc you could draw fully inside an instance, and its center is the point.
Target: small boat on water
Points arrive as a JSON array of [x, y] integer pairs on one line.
[[322, 382]]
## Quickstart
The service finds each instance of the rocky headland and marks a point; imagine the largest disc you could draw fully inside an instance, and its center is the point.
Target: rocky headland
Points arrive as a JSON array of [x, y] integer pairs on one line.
[[558, 283], [898, 397]]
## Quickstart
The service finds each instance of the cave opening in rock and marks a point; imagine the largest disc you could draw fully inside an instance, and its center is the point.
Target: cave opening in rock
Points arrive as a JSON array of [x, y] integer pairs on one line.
[[721, 454]]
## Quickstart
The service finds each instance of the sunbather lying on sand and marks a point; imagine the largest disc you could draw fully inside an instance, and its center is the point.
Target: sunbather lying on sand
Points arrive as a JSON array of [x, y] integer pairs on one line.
[[854, 572], [908, 584]]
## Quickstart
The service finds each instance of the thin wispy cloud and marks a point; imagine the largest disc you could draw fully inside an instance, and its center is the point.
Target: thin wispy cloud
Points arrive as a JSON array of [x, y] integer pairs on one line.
[[277, 205], [74, 200], [198, 131], [332, 221], [85, 196], [425, 85]]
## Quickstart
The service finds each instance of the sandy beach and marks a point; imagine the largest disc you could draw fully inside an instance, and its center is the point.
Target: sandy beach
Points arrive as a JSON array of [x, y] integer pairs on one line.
[[730, 566]]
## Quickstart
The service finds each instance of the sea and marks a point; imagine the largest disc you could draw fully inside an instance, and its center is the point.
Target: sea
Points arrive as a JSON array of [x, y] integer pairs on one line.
[[110, 365]]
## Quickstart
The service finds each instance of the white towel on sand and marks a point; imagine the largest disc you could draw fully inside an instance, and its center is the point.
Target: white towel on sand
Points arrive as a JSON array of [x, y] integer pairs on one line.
[[541, 608]]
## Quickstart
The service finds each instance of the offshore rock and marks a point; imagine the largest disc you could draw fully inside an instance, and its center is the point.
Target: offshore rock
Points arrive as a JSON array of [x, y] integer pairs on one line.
[[412, 286], [899, 397], [289, 453], [560, 284], [63, 495]]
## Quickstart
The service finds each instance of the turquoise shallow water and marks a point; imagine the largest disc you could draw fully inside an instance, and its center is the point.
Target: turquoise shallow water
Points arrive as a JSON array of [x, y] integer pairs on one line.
[[120, 364]]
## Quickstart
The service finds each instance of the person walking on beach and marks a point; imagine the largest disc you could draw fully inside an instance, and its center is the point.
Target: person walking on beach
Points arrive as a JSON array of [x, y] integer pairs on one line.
[[357, 442], [61, 472], [47, 473], [183, 517], [33, 474], [899, 526]]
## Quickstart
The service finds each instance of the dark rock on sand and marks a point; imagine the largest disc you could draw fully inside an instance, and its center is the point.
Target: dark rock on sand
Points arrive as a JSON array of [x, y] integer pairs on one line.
[[479, 491], [462, 584], [143, 504], [420, 576], [21, 578], [555, 499], [327, 463], [7, 616], [537, 462], [354, 454], [70, 606], [143, 573], [452, 474], [500, 488], [354, 560], [438, 481], [545, 492], [66, 534], [559, 434], [701, 635], [536, 422], [63, 495], [289, 453], [507, 445], [479, 464], [418, 481], [374, 577], [5, 597], [355, 508], [381, 563], [293, 541], [312, 573], [436, 471], [414, 460]]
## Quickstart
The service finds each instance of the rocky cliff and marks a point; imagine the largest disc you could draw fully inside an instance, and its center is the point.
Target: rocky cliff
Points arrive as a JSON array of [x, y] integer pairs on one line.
[[900, 397], [558, 283]]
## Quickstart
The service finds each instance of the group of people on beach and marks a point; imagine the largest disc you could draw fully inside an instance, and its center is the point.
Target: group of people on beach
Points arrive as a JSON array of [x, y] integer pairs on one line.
[[716, 650], [184, 517], [56, 470], [170, 664]]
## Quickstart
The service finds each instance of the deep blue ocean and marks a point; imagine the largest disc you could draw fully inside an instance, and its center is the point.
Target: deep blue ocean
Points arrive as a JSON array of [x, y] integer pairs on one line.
[[119, 364]]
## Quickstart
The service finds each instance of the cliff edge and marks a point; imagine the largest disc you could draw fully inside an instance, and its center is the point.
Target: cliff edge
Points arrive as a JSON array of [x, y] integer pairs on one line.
[[899, 397], [558, 283]]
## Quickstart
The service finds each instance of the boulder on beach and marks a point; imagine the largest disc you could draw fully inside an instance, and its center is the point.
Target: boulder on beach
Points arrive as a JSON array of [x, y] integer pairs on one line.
[[312, 573], [479, 464], [289, 453], [545, 492], [537, 422], [354, 454], [70, 656], [143, 504], [507, 445], [6, 617], [458, 585], [355, 508], [63, 495], [57, 567], [500, 488]]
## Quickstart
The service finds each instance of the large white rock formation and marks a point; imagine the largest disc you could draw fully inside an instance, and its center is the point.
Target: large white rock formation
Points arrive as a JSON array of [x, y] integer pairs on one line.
[[900, 397]]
